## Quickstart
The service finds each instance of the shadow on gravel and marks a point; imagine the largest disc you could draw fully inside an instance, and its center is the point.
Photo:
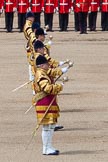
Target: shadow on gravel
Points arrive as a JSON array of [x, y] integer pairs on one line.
[[78, 129], [81, 152], [73, 110]]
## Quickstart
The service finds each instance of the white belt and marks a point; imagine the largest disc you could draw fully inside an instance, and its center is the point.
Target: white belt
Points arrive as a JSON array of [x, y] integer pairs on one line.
[[36, 4], [63, 4], [22, 4], [104, 3], [8, 3], [93, 2], [49, 4]]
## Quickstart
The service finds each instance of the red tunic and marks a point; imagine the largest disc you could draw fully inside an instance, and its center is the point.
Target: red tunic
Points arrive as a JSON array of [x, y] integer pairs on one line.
[[1, 4], [75, 7], [36, 6], [104, 7], [23, 5], [9, 5], [64, 6], [94, 4], [49, 6], [84, 5]]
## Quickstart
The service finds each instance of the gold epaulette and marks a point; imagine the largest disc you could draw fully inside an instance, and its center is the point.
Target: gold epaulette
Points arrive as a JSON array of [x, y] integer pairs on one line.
[[53, 63]]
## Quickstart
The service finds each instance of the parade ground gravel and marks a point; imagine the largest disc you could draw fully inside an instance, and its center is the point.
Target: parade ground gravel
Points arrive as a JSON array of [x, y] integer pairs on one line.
[[83, 101]]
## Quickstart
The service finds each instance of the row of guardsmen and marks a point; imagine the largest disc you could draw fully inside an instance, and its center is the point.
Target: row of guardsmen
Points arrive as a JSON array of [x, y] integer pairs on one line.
[[81, 8]]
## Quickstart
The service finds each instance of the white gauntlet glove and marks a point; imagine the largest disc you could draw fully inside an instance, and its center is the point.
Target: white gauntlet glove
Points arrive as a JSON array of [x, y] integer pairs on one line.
[[61, 63], [28, 9], [98, 9], [49, 42], [14, 9], [64, 70], [62, 84], [31, 76], [0, 11], [78, 5], [72, 9], [42, 9], [54, 10], [57, 9]]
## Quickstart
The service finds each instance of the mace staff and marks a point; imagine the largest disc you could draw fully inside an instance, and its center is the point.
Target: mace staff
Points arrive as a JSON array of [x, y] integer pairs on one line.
[[21, 86], [70, 64]]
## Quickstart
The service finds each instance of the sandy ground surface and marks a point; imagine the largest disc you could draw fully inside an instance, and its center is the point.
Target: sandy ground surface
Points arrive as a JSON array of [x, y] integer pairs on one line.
[[83, 103]]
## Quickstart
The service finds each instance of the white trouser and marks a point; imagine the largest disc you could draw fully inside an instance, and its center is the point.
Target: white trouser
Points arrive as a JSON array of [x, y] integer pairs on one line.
[[31, 76], [47, 134]]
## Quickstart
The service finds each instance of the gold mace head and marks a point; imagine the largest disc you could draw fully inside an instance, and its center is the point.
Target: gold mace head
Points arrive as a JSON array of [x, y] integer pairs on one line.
[[70, 64], [50, 37]]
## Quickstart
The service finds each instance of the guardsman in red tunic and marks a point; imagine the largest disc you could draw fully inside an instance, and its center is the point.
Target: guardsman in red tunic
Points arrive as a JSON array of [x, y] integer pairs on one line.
[[76, 17], [49, 8], [64, 7], [36, 8], [10, 8], [104, 15], [22, 8], [1, 6], [92, 16], [83, 6]]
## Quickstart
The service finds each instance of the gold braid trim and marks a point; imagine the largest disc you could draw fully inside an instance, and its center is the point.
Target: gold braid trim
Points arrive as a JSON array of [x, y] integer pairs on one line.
[[38, 96]]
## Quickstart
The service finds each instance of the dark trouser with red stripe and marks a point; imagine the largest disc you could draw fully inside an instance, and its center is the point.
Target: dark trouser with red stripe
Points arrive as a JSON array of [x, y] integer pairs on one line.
[[21, 20], [104, 21], [76, 21], [92, 17], [48, 19], [63, 21], [9, 20], [83, 21]]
